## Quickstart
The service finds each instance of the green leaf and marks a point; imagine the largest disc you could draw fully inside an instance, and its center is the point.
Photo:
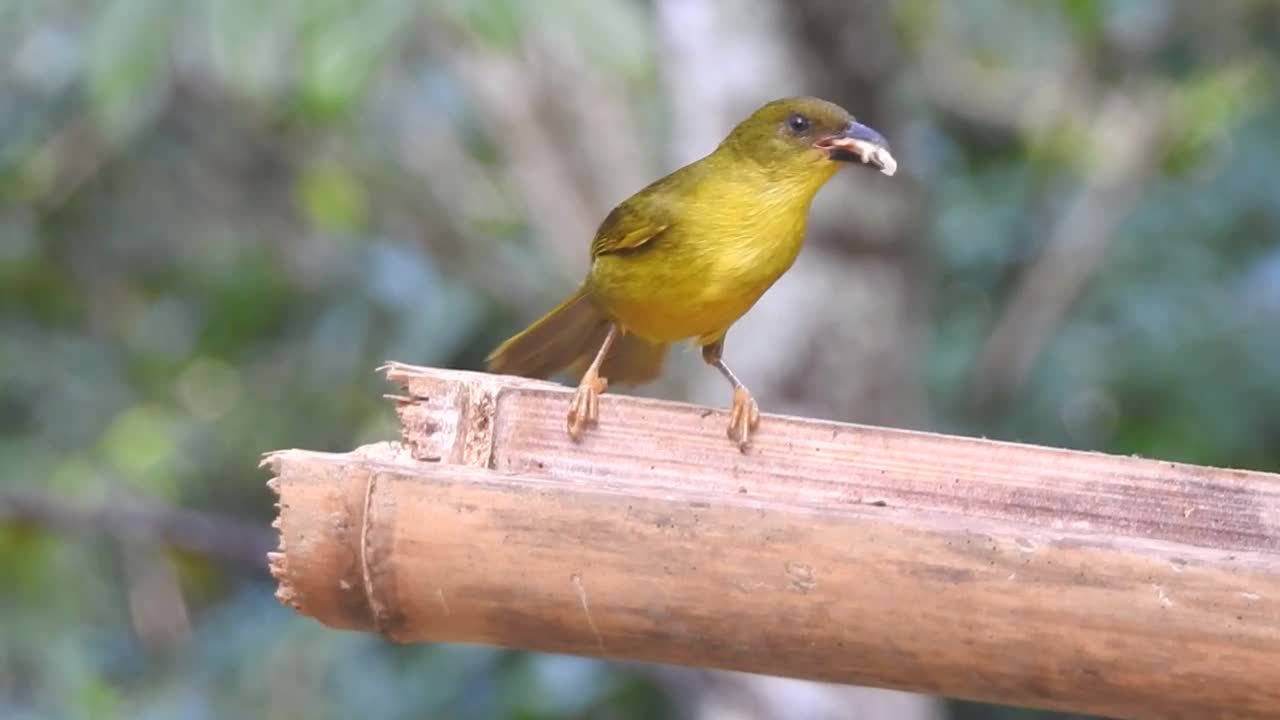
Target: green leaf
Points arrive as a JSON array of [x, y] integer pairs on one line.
[[139, 444], [128, 62], [332, 199], [342, 46]]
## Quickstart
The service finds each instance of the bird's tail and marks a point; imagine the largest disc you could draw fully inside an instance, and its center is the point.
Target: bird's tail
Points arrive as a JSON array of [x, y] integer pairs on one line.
[[568, 337]]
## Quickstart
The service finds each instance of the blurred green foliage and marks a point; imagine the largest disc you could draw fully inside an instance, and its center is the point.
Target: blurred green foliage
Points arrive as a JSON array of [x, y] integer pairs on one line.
[[215, 222]]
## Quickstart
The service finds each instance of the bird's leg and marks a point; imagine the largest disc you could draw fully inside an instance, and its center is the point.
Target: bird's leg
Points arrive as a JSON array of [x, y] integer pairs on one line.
[[585, 408], [746, 414]]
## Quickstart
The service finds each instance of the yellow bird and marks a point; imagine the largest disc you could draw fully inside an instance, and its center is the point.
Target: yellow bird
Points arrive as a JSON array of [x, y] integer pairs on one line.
[[688, 255]]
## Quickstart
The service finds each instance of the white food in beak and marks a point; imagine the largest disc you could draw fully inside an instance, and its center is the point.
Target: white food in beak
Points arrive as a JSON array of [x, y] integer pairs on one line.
[[873, 154]]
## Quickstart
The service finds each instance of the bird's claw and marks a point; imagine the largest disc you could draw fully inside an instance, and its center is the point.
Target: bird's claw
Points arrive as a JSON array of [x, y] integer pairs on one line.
[[584, 411], [744, 418]]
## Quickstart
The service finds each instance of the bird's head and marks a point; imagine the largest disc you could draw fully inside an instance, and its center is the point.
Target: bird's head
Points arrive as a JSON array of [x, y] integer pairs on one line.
[[805, 135]]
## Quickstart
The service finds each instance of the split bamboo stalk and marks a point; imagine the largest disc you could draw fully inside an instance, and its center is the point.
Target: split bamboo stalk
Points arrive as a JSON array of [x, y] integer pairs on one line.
[[1011, 573]]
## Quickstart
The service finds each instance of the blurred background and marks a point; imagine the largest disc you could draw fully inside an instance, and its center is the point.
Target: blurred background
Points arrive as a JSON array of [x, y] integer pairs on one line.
[[217, 217]]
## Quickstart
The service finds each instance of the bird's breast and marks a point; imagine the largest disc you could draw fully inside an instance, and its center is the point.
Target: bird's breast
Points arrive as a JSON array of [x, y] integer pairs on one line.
[[704, 274], [750, 253]]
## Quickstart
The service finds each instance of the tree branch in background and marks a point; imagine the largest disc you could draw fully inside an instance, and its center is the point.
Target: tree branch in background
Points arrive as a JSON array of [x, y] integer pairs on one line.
[[854, 305], [511, 92], [1129, 135], [1029, 101], [233, 540]]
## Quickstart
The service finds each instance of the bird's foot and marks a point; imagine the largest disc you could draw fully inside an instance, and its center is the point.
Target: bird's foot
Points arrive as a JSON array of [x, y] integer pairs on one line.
[[584, 411], [744, 418]]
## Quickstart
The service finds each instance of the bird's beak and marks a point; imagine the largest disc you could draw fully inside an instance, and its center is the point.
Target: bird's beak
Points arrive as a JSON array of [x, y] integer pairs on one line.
[[859, 143]]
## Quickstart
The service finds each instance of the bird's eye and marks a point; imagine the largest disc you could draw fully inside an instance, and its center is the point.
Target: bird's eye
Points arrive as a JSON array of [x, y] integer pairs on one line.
[[798, 123]]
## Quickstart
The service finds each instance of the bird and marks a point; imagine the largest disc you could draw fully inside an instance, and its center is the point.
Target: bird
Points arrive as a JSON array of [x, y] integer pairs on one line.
[[689, 254]]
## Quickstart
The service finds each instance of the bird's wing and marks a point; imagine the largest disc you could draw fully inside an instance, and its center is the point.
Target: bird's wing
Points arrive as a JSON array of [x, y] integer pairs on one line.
[[627, 228]]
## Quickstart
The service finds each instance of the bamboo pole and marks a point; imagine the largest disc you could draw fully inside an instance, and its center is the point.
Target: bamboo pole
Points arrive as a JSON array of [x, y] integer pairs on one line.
[[1011, 573]]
